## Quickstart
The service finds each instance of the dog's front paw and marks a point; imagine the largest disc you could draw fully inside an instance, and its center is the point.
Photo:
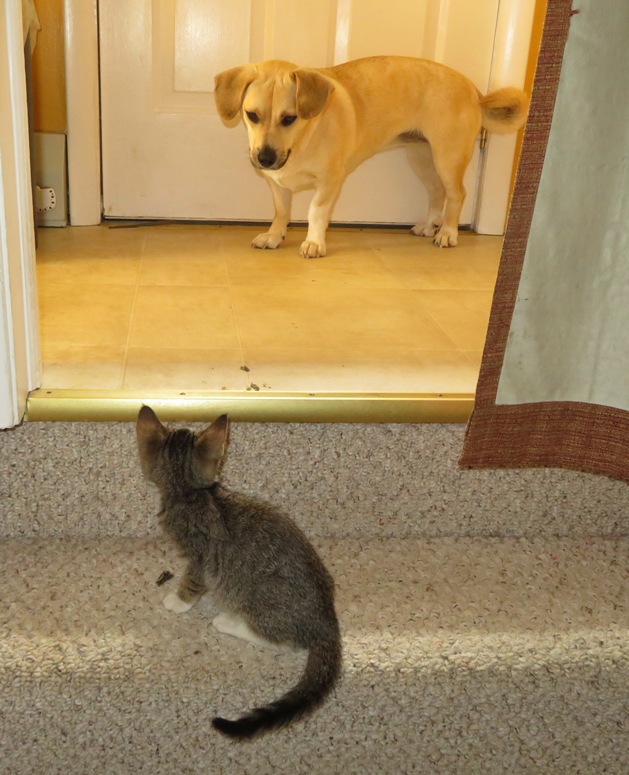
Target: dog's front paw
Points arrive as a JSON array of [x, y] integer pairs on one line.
[[446, 238], [425, 229], [267, 241], [173, 602], [310, 249]]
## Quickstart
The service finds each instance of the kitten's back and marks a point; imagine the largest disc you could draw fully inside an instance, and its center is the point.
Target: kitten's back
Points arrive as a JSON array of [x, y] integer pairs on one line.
[[258, 564]]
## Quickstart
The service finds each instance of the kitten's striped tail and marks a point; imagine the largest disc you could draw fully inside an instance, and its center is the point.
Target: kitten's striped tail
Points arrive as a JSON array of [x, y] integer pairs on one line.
[[321, 673]]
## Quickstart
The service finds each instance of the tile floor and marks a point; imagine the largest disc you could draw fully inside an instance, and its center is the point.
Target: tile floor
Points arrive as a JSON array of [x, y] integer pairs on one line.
[[194, 307]]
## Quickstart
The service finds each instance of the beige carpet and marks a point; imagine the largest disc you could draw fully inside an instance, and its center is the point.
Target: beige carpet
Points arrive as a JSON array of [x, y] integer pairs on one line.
[[472, 655], [83, 479], [485, 615]]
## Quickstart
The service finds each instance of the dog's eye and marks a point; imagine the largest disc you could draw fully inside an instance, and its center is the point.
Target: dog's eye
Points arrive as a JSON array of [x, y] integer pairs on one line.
[[253, 117], [288, 120]]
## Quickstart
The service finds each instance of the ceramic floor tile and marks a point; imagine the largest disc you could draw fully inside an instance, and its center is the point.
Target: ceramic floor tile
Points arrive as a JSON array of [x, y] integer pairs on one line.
[[189, 240], [418, 273], [78, 269], [240, 237], [468, 240], [183, 254], [92, 241], [187, 306], [358, 267], [338, 240], [88, 314], [268, 316], [476, 357], [184, 269], [190, 318], [484, 253], [464, 315], [418, 267], [82, 368], [180, 369], [361, 371]]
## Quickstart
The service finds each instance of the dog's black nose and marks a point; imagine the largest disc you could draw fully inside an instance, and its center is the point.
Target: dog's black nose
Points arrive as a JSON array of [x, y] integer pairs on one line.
[[267, 157]]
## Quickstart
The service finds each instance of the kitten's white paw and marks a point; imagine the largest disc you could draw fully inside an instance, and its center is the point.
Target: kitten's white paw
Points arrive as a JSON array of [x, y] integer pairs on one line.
[[229, 624], [226, 623], [173, 602]]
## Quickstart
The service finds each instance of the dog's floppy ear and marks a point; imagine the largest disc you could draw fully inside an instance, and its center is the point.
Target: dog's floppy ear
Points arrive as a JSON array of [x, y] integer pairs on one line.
[[313, 91], [229, 90]]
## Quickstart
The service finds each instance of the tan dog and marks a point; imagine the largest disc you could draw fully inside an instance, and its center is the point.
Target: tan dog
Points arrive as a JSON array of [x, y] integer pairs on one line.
[[310, 128]]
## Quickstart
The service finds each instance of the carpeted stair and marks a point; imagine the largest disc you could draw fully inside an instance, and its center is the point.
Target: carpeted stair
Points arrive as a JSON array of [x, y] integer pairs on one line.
[[485, 615]]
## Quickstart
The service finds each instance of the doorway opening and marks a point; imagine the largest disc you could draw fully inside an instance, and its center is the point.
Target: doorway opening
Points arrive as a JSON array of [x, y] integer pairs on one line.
[[191, 307]]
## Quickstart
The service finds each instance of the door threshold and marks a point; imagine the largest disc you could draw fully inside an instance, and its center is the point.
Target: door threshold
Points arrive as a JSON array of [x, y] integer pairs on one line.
[[56, 405]]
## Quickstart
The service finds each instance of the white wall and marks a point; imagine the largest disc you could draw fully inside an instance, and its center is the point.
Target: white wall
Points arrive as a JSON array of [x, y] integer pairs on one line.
[[19, 336]]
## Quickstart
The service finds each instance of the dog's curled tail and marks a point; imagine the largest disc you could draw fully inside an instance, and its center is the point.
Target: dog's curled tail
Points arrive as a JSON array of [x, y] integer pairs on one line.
[[323, 668], [504, 110]]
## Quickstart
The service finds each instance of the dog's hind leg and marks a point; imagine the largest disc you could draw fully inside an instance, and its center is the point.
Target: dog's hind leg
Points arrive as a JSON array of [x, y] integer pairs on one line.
[[420, 159], [282, 200], [450, 164]]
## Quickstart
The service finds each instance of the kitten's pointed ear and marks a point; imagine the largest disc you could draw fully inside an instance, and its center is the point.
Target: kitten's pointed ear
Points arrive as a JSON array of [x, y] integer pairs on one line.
[[212, 442], [150, 434], [148, 424], [211, 445]]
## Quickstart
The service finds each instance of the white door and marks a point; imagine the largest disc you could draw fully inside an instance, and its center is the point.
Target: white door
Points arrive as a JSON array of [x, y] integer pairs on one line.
[[165, 152]]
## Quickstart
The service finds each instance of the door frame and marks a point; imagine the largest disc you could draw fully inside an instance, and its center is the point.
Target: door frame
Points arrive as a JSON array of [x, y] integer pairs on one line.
[[509, 62], [512, 47], [20, 367], [80, 26]]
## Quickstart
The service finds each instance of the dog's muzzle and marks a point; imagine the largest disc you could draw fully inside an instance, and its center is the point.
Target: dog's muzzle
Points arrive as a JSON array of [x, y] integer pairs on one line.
[[267, 158]]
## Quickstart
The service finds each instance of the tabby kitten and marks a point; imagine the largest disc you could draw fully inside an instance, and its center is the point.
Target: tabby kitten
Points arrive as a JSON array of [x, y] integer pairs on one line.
[[258, 567]]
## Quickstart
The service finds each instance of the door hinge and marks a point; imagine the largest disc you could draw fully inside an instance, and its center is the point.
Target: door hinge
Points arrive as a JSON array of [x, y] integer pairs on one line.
[[482, 141]]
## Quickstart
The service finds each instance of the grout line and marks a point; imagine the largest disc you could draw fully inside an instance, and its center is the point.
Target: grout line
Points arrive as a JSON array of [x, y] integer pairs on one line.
[[438, 323], [452, 337], [232, 305], [133, 311], [377, 251]]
